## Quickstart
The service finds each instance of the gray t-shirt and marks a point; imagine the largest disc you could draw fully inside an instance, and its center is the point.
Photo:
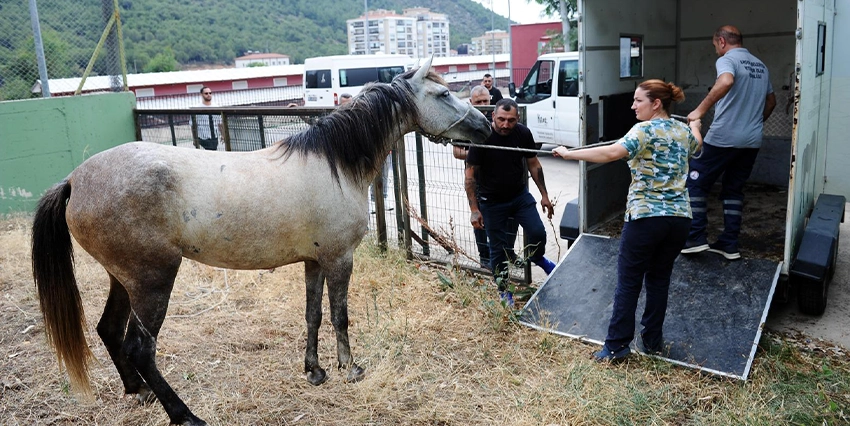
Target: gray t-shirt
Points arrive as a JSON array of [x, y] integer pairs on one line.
[[738, 115]]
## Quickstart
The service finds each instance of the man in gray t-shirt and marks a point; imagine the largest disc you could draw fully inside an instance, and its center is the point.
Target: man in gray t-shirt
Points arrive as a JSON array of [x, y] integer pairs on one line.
[[743, 99]]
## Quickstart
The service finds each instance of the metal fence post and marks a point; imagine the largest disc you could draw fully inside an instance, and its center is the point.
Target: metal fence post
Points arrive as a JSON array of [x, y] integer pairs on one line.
[[39, 50], [171, 127], [380, 216], [225, 131], [400, 172], [423, 203]]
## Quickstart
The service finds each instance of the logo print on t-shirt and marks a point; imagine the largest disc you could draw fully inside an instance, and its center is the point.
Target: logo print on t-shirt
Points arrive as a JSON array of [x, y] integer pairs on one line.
[[694, 175]]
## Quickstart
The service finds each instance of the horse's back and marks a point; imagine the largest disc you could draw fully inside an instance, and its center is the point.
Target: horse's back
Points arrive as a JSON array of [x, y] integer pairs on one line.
[[237, 210]]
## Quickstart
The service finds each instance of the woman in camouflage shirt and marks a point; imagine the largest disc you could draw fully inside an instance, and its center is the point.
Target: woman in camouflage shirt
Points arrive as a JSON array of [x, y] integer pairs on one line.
[[658, 213]]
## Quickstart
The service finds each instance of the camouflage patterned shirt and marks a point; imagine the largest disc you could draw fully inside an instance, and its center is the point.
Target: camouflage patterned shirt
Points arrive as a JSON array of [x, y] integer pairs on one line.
[[658, 158]]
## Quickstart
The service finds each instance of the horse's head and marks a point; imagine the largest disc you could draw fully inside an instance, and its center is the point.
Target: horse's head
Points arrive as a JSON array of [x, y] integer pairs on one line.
[[441, 115]]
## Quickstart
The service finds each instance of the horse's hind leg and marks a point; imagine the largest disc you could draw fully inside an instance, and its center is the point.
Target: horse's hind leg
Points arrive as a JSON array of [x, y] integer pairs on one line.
[[338, 275], [315, 281], [149, 298], [111, 329]]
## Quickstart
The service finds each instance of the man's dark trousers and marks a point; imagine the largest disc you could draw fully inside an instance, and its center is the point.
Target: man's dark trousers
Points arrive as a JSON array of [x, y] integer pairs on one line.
[[523, 209], [735, 164]]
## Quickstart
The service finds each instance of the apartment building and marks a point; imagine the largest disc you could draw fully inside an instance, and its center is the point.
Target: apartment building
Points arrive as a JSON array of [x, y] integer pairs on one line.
[[492, 42], [432, 32], [417, 33]]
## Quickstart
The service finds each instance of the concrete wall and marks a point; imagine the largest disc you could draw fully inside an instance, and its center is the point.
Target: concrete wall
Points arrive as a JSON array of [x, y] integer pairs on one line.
[[42, 140]]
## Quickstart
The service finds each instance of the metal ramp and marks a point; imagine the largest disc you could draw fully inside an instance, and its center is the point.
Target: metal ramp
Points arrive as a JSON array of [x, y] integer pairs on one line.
[[715, 312]]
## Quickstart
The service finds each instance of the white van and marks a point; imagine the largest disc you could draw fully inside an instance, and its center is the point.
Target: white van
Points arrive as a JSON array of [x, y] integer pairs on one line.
[[550, 95], [327, 77]]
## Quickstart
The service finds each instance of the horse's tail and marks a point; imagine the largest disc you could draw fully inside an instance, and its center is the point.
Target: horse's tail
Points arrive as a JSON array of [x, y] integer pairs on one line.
[[53, 272]]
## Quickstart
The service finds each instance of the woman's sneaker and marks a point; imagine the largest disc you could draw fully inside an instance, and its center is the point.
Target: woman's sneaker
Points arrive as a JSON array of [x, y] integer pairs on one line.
[[730, 252]]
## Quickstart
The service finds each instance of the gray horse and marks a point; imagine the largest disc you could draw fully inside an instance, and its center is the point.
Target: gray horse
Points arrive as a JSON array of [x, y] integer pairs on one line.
[[140, 208]]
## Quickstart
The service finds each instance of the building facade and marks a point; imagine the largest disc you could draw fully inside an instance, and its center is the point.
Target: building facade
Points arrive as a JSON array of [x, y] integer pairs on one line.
[[432, 32], [417, 33], [492, 42], [268, 59]]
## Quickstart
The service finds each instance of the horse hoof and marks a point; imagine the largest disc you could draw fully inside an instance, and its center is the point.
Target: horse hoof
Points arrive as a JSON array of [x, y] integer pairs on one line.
[[192, 421], [355, 374], [317, 376], [145, 396]]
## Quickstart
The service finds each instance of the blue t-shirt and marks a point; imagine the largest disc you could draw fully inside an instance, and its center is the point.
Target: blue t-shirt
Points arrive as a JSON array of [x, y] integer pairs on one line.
[[658, 160], [738, 116]]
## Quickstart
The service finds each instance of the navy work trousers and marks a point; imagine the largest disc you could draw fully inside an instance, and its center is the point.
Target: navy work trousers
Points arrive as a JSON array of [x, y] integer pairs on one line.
[[523, 209], [648, 248], [735, 164]]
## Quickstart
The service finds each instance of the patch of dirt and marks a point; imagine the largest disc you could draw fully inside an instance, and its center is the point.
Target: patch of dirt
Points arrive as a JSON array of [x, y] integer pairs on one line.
[[763, 230]]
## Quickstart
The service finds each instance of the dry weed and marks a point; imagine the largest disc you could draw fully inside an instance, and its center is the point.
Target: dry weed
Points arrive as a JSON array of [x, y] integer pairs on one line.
[[437, 351]]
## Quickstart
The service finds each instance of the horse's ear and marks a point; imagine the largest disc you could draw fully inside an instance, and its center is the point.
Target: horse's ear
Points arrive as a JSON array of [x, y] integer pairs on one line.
[[423, 70]]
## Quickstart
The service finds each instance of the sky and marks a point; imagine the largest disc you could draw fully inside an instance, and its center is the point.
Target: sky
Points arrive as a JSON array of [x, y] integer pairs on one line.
[[522, 11]]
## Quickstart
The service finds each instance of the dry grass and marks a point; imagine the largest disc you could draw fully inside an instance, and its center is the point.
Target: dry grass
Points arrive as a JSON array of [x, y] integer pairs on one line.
[[437, 352]]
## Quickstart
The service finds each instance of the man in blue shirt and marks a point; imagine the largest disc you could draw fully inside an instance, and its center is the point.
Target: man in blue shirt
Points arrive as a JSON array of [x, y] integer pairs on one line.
[[744, 99]]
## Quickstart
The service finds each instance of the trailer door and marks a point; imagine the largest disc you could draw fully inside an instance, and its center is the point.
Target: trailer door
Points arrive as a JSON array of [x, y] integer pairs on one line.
[[811, 115]]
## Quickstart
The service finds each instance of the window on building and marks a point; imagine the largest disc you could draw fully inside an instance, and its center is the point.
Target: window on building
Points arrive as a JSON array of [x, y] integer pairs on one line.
[[194, 88], [144, 93], [240, 85], [631, 56], [280, 82]]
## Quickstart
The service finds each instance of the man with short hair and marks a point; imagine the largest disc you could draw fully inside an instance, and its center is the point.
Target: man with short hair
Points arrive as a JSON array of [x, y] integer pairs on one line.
[[208, 123], [744, 98], [344, 98], [500, 176], [495, 94], [479, 95]]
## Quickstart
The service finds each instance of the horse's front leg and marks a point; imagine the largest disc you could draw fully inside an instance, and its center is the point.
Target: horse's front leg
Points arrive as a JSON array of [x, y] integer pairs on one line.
[[338, 275], [315, 281]]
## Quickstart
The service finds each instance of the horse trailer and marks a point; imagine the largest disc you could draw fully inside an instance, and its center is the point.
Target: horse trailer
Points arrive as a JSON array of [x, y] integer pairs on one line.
[[800, 172]]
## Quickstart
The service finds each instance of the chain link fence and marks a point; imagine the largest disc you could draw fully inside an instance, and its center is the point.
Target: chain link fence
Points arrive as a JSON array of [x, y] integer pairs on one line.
[[69, 33]]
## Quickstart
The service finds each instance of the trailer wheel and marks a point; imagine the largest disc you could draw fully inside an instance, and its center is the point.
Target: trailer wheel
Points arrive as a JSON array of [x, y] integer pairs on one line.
[[812, 295]]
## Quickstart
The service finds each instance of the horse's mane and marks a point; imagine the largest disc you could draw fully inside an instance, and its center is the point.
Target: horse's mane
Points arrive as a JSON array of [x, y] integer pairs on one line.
[[352, 137]]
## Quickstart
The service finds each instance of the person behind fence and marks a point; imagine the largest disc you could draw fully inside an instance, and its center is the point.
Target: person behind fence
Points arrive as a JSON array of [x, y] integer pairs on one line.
[[209, 125], [495, 93], [658, 214], [502, 183], [744, 100], [479, 95]]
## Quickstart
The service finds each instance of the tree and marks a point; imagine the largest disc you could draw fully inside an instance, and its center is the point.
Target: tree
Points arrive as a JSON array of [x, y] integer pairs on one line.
[[564, 8], [162, 62]]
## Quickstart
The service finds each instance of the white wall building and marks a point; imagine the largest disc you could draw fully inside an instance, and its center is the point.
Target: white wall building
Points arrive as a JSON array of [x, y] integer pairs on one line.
[[432, 32], [417, 33], [496, 41], [262, 58]]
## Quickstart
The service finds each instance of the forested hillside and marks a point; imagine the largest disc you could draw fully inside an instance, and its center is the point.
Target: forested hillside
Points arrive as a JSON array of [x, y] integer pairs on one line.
[[216, 31]]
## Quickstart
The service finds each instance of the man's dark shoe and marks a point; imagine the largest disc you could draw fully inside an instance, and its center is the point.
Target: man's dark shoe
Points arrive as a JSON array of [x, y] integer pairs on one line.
[[545, 264], [606, 355], [692, 247], [507, 298], [652, 346], [730, 252]]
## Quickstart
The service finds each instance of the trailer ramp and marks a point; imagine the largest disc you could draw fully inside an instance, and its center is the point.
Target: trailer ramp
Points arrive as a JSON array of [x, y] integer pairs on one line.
[[715, 313]]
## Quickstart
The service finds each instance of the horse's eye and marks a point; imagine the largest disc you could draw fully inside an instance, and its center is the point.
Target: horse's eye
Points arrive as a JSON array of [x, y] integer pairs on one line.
[[445, 94]]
